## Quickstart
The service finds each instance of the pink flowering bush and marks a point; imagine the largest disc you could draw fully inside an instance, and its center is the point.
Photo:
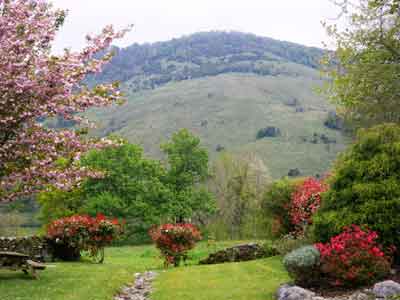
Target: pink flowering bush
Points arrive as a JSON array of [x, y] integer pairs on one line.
[[71, 235], [305, 201], [353, 258], [36, 84], [174, 241]]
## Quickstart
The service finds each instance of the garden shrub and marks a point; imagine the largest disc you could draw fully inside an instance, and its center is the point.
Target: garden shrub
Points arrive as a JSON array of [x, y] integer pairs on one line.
[[365, 188], [303, 265], [270, 249], [71, 235], [276, 203], [291, 242], [174, 241], [305, 201], [353, 258]]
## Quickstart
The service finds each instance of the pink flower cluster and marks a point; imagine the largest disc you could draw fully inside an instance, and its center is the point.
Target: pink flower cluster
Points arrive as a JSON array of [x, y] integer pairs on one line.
[[175, 240], [305, 201], [354, 257], [84, 232], [36, 84]]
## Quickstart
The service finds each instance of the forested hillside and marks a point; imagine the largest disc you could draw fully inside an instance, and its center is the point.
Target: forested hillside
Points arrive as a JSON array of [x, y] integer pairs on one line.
[[205, 54]]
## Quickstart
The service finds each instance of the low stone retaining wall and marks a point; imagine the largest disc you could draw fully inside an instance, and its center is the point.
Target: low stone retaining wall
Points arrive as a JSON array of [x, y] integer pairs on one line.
[[36, 247], [235, 254]]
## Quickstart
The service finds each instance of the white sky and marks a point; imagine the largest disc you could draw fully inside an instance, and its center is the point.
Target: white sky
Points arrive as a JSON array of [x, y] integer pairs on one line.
[[159, 20]]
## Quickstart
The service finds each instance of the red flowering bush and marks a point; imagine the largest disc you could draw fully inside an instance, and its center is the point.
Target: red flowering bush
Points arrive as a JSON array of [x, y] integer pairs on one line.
[[83, 233], [353, 257], [306, 200], [174, 241]]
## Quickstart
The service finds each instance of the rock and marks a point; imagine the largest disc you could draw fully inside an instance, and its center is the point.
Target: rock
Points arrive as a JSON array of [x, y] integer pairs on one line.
[[234, 254], [287, 292], [139, 284], [140, 290], [386, 289], [360, 296]]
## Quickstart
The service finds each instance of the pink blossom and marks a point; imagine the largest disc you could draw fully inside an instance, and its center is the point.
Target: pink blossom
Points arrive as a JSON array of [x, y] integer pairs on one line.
[[35, 84]]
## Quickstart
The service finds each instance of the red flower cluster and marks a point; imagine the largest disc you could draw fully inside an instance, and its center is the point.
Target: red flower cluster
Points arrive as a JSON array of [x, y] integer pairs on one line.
[[306, 200], [353, 257], [174, 241], [84, 232]]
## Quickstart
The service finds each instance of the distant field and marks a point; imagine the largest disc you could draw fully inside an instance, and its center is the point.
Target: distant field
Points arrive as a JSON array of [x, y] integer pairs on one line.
[[228, 110]]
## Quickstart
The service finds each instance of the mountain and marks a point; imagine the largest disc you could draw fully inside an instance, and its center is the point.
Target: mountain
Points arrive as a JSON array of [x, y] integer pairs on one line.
[[238, 92], [202, 54]]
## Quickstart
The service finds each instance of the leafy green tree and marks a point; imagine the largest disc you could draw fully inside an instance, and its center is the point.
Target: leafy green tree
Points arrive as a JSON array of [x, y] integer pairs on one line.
[[132, 188], [187, 170], [238, 183], [276, 202], [132, 185], [141, 190], [365, 187], [365, 68], [55, 204]]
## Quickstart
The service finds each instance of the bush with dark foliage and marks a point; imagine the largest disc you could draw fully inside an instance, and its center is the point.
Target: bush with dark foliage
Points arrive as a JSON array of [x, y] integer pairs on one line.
[[365, 188]]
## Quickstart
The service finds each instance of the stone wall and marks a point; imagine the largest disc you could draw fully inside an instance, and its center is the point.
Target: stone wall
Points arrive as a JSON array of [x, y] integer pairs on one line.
[[36, 247], [235, 254]]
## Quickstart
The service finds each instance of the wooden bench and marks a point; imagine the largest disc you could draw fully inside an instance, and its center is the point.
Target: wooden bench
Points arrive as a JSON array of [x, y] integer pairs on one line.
[[18, 261]]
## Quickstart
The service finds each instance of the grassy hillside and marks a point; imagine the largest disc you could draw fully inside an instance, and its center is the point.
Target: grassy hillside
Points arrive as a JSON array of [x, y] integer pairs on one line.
[[228, 110]]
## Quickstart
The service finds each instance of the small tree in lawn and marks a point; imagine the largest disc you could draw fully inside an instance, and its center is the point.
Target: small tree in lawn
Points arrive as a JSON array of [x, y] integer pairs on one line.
[[174, 241], [34, 85]]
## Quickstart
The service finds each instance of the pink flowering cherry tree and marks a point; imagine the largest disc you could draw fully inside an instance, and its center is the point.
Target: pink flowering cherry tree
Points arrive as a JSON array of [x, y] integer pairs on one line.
[[36, 84]]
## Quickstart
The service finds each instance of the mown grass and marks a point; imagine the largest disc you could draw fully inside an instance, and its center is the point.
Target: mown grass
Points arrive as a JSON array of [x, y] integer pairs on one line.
[[255, 280], [87, 281], [81, 280]]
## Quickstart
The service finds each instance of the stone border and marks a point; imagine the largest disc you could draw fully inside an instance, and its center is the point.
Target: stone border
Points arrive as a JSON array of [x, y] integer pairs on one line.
[[141, 288], [380, 291]]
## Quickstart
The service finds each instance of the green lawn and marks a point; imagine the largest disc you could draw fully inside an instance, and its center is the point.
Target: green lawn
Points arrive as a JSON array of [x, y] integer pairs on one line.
[[255, 280], [88, 281]]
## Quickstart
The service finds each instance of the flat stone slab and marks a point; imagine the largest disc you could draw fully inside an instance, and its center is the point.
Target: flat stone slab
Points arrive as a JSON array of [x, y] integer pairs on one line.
[[13, 254]]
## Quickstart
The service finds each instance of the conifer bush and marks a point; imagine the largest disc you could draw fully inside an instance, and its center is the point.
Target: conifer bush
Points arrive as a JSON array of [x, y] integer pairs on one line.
[[365, 188]]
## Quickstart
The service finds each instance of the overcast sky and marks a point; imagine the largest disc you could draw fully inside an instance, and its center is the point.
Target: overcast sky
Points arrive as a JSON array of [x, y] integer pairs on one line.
[[159, 20]]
